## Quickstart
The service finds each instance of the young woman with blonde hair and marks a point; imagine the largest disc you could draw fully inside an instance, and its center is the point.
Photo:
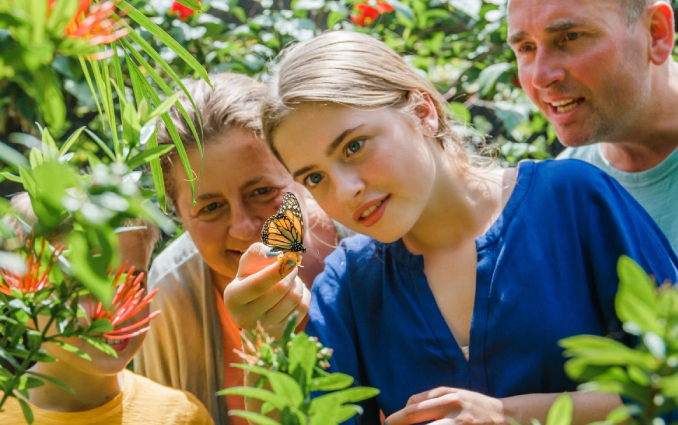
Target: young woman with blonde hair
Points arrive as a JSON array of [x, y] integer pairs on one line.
[[468, 276]]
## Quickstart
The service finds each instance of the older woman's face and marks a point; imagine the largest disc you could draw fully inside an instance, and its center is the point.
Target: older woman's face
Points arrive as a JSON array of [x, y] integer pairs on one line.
[[242, 184]]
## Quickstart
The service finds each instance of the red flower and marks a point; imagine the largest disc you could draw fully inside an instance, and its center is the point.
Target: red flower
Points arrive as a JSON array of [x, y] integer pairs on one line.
[[126, 303], [36, 274], [183, 11], [364, 14]]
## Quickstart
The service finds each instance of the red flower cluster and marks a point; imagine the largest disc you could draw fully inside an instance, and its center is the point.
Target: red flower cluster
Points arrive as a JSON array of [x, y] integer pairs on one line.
[[364, 14], [95, 22], [126, 303], [36, 275], [181, 10]]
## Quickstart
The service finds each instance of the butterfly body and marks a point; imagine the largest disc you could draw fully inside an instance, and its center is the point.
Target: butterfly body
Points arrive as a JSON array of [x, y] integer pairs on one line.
[[284, 231]]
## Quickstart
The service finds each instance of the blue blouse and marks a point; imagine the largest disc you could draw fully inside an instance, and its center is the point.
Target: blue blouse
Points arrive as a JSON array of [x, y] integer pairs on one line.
[[546, 270]]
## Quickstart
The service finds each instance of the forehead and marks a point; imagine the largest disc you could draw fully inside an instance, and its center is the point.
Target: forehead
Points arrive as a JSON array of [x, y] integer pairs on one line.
[[532, 16], [228, 163]]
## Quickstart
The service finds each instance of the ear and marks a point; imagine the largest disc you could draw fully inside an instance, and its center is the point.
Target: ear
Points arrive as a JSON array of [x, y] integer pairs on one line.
[[661, 26], [424, 110]]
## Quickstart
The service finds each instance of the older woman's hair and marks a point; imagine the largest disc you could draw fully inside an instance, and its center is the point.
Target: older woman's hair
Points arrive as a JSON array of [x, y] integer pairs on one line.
[[235, 102], [354, 70]]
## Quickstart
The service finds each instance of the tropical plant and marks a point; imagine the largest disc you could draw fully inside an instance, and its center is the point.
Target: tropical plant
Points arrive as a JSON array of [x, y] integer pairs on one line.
[[89, 191], [292, 369]]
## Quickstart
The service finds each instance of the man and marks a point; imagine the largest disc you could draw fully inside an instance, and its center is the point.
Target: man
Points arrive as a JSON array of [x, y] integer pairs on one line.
[[602, 73]]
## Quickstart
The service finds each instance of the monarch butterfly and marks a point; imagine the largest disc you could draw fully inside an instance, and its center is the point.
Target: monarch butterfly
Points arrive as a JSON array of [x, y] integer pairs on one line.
[[284, 231]]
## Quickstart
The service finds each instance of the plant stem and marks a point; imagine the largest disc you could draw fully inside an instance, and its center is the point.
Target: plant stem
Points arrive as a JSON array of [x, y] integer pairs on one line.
[[24, 365]]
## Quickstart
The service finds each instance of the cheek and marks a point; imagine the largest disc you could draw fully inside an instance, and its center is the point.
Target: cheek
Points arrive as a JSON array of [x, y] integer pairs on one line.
[[207, 235]]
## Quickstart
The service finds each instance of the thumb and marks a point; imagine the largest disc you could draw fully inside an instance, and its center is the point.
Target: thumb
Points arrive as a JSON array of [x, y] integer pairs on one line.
[[257, 257]]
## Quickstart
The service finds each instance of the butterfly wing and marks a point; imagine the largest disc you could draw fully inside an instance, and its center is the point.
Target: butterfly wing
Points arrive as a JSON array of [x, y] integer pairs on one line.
[[284, 230], [290, 208]]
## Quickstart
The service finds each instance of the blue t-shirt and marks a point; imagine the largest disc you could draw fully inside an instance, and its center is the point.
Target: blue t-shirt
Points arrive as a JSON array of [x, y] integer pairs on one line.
[[546, 270]]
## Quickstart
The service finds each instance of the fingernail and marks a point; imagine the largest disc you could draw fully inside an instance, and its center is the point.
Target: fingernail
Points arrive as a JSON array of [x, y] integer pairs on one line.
[[289, 266], [271, 253]]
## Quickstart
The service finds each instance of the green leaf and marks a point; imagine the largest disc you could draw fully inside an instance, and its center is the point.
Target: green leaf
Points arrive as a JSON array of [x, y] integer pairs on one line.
[[303, 355], [350, 395], [165, 38], [49, 97], [488, 77], [26, 409], [257, 393], [100, 326], [281, 384], [85, 270], [561, 411], [71, 141], [333, 382], [72, 349], [636, 299], [255, 418], [162, 108], [99, 344], [52, 380], [12, 157]]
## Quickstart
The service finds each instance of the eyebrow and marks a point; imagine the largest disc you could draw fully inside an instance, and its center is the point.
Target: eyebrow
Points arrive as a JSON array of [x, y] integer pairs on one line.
[[552, 28], [253, 182], [330, 149], [206, 196]]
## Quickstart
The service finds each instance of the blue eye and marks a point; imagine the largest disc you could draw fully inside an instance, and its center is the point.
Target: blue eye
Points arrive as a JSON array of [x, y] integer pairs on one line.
[[354, 146], [313, 179]]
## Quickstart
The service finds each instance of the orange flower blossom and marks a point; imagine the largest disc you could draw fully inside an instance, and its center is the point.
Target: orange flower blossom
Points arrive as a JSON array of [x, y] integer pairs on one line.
[[364, 14], [36, 275], [126, 303], [94, 22]]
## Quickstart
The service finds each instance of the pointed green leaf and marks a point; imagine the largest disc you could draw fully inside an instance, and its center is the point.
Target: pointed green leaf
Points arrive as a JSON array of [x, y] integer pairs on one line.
[[26, 409], [561, 411], [255, 418], [148, 155], [636, 298], [165, 38]]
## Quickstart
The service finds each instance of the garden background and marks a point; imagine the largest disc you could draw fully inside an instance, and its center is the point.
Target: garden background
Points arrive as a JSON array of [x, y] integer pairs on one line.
[[83, 82]]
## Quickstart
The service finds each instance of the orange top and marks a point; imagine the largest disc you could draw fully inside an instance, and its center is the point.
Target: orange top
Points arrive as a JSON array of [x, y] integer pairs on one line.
[[233, 377]]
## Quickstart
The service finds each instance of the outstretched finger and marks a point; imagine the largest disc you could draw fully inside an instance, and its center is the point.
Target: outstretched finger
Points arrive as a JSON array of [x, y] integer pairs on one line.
[[430, 394], [442, 407]]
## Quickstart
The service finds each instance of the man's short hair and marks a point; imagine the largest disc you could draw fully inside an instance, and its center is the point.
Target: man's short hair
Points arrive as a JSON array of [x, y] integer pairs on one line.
[[633, 9]]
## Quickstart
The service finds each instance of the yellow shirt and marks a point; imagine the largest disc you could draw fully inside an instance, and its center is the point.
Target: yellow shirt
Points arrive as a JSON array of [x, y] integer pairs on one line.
[[142, 402]]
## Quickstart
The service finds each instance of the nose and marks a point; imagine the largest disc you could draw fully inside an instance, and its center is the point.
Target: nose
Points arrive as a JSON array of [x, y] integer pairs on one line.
[[547, 69], [244, 223], [348, 187]]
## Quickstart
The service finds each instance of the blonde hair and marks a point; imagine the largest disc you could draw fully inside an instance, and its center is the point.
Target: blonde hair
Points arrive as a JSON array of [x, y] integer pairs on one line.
[[354, 70], [235, 102]]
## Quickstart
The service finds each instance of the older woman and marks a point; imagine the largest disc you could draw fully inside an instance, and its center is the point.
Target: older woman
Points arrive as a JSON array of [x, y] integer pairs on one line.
[[238, 185]]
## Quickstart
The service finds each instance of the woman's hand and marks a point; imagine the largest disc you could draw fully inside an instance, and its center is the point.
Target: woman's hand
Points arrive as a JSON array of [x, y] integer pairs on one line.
[[450, 406], [266, 291]]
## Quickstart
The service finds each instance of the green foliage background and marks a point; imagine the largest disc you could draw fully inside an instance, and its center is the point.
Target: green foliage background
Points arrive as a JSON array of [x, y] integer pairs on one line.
[[460, 45]]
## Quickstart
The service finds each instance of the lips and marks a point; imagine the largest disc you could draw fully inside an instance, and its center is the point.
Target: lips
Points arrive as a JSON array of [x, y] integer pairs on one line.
[[565, 105], [370, 212], [118, 345]]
